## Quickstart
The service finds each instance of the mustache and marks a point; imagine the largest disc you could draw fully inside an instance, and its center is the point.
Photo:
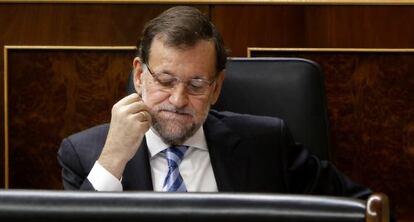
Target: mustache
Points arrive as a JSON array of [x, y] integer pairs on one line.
[[172, 108]]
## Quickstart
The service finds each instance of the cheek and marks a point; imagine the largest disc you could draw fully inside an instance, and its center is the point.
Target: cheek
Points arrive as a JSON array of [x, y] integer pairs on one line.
[[153, 97], [200, 106]]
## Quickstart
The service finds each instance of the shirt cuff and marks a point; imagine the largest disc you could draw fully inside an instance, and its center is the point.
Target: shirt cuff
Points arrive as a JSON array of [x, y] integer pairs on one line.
[[102, 180]]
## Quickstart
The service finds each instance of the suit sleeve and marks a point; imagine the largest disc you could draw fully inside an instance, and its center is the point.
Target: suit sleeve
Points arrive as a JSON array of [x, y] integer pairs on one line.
[[73, 173], [307, 174]]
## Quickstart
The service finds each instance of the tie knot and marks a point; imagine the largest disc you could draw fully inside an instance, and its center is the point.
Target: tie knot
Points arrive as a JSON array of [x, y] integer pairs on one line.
[[174, 155]]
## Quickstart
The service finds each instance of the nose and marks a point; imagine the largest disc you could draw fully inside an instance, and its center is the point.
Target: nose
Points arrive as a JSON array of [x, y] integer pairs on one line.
[[179, 97]]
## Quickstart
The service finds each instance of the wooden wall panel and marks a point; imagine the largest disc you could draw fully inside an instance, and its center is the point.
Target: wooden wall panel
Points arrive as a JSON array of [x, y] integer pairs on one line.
[[371, 108], [52, 94], [260, 26], [360, 26], [298, 26]]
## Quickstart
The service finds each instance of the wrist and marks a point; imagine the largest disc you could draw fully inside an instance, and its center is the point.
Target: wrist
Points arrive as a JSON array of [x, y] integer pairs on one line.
[[114, 164]]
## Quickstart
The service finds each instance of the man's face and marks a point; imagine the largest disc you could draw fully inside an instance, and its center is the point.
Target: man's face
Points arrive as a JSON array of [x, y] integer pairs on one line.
[[177, 114]]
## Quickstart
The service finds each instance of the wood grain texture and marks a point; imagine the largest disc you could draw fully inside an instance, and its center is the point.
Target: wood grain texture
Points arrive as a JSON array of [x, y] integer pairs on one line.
[[54, 94], [244, 26], [371, 109], [314, 26]]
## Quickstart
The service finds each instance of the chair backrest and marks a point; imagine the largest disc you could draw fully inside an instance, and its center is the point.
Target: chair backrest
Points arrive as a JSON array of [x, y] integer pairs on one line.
[[35, 205], [289, 88]]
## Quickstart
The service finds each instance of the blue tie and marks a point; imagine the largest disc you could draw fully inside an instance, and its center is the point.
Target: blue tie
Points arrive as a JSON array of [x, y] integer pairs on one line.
[[173, 181]]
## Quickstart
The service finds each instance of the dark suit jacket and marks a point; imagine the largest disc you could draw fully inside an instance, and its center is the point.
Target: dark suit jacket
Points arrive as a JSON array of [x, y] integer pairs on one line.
[[248, 154]]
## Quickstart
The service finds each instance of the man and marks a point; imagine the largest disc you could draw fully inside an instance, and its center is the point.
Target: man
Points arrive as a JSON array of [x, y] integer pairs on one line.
[[166, 138]]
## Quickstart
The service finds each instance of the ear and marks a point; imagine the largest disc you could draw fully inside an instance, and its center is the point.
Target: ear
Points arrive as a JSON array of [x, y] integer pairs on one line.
[[217, 87], [137, 72]]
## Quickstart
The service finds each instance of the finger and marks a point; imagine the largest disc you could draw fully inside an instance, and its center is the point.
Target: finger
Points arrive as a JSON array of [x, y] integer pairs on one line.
[[136, 107], [148, 116], [134, 97], [143, 116]]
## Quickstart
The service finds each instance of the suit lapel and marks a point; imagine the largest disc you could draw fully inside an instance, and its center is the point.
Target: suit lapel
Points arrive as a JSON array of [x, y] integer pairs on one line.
[[222, 143], [137, 173]]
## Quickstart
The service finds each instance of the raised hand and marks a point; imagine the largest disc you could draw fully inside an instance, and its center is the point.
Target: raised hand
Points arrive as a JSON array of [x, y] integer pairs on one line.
[[130, 120]]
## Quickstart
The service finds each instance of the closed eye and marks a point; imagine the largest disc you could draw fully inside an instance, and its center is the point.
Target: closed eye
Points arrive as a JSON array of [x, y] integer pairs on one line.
[[197, 83], [166, 79]]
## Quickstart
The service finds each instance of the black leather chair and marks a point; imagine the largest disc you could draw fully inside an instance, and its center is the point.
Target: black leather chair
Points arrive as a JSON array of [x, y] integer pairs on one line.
[[45, 206], [289, 88]]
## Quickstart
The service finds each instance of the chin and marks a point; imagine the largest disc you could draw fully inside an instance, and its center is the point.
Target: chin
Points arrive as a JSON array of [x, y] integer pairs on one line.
[[174, 132]]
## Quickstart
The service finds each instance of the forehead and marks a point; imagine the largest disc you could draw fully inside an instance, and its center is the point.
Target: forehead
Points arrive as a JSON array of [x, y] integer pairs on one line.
[[199, 58]]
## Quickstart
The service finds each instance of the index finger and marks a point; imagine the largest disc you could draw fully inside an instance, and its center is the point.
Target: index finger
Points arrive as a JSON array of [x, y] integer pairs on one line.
[[134, 97]]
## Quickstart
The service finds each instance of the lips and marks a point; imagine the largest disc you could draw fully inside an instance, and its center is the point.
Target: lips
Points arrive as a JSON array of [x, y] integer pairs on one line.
[[173, 114]]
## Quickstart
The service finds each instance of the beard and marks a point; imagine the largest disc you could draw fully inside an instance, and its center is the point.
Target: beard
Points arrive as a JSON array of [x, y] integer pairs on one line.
[[175, 125]]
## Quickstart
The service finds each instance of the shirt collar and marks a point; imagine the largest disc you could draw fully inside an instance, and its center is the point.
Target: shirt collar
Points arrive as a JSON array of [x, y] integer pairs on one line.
[[156, 145]]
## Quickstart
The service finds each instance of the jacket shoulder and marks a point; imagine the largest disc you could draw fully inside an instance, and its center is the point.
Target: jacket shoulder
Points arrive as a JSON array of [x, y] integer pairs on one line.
[[249, 124], [85, 146], [90, 135]]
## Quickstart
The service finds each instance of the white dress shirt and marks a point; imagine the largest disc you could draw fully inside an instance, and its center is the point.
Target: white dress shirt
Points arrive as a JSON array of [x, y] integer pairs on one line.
[[195, 168]]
